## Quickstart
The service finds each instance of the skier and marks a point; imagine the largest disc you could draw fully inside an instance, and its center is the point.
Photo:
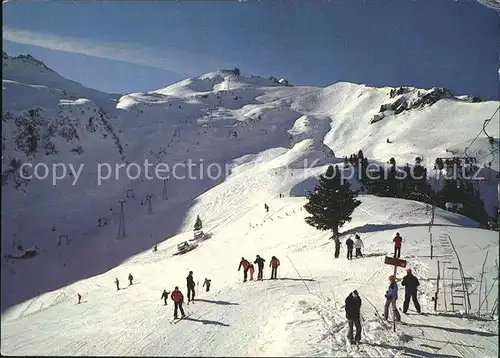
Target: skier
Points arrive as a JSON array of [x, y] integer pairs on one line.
[[190, 286], [79, 298], [411, 283], [155, 248], [245, 265], [358, 244], [164, 296], [252, 270], [130, 278], [117, 284], [349, 244], [352, 313], [207, 284], [337, 247], [266, 207], [397, 245], [391, 296], [260, 265], [274, 263], [178, 298]]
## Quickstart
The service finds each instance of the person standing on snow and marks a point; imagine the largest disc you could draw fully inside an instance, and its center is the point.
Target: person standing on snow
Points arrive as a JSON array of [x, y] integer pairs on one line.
[[252, 270], [349, 244], [397, 245], [266, 207], [117, 284], [245, 265], [130, 278], [274, 263], [207, 284], [79, 298], [337, 247], [352, 313], [178, 299], [410, 283], [358, 244], [260, 265], [390, 298], [164, 296], [190, 286]]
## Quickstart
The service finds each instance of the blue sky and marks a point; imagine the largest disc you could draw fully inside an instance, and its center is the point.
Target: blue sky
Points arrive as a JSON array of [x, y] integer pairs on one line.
[[138, 46]]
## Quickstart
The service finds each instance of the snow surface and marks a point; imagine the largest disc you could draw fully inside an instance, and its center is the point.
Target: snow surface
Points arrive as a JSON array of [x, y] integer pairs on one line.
[[286, 317], [274, 140]]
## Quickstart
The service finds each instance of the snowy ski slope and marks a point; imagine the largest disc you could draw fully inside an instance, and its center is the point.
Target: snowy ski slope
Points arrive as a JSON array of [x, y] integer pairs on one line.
[[273, 140], [269, 318]]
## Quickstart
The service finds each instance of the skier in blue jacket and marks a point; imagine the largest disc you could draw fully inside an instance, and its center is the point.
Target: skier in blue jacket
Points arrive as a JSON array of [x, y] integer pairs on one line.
[[391, 296]]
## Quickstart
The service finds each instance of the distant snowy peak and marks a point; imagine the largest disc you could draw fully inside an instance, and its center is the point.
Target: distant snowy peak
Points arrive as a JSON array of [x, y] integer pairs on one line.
[[26, 60], [219, 80], [406, 98], [25, 69], [45, 114], [492, 4]]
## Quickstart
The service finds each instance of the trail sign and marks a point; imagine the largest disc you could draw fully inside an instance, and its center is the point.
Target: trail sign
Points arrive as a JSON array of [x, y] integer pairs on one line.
[[394, 261]]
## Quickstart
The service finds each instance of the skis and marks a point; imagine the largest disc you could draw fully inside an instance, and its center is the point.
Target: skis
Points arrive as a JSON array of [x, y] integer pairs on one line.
[[177, 320]]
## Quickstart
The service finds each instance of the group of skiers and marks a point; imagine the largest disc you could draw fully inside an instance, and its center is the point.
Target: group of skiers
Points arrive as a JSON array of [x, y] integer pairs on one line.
[[177, 296], [353, 303], [249, 267], [357, 243], [130, 279]]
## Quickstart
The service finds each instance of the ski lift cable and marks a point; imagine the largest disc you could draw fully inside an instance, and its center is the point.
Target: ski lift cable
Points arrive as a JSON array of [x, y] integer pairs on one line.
[[482, 131], [492, 152]]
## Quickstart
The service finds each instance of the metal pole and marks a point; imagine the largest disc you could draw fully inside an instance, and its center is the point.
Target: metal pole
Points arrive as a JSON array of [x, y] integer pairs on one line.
[[432, 247], [437, 289], [121, 227], [394, 303], [165, 196], [444, 287]]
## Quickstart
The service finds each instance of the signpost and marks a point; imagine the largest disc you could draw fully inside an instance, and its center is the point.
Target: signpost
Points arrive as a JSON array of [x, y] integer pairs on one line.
[[396, 263]]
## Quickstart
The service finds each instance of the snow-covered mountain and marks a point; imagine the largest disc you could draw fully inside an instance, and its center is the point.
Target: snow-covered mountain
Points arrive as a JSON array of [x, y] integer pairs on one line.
[[46, 117], [269, 137]]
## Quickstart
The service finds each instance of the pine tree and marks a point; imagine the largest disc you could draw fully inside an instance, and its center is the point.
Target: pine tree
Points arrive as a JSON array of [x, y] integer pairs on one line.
[[392, 186], [198, 225], [450, 192], [331, 203], [473, 204]]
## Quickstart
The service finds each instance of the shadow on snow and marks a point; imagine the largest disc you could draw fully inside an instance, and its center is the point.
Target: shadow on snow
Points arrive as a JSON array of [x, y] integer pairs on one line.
[[206, 321], [217, 302]]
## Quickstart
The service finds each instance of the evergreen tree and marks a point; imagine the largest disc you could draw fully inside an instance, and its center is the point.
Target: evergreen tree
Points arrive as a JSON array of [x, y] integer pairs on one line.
[[331, 203], [198, 225], [392, 187], [360, 155], [418, 188], [473, 204]]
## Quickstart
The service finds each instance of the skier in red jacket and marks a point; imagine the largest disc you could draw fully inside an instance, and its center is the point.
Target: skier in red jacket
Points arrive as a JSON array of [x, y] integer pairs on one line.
[[274, 264], [178, 298], [397, 245], [246, 266]]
